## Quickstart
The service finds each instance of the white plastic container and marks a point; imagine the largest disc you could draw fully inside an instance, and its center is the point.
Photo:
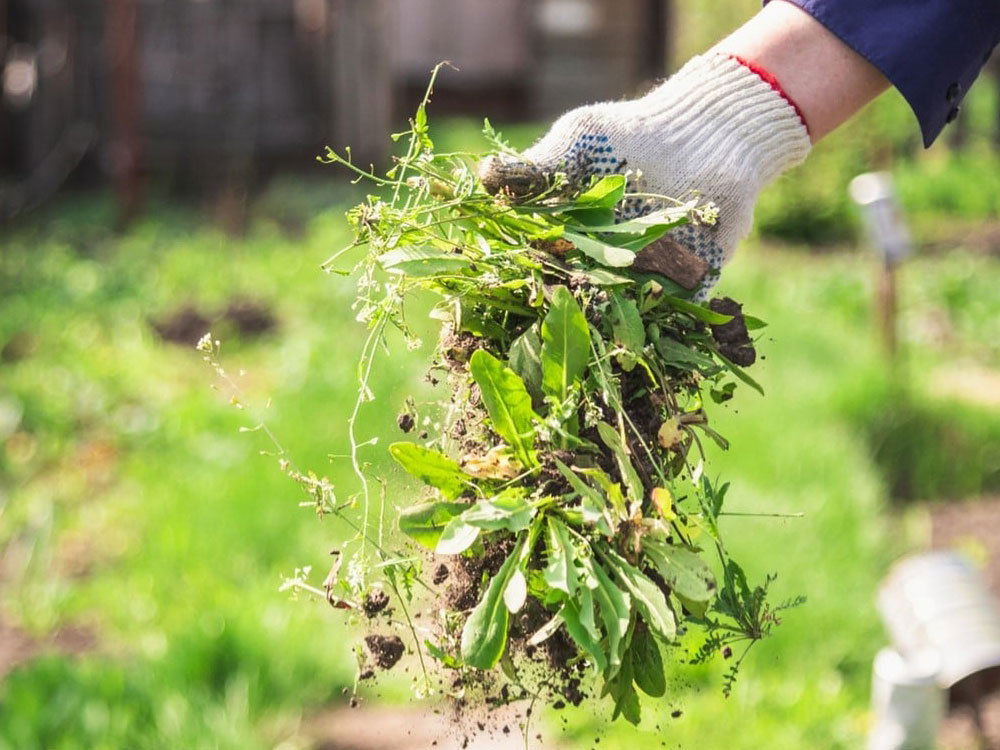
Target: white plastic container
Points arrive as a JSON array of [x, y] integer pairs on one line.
[[907, 702], [937, 602]]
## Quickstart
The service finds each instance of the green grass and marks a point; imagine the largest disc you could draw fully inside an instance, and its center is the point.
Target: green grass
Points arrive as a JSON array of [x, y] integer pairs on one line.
[[131, 503]]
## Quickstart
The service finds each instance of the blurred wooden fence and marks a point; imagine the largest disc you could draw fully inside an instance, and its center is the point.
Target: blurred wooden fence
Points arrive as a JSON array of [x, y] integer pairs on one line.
[[221, 87]]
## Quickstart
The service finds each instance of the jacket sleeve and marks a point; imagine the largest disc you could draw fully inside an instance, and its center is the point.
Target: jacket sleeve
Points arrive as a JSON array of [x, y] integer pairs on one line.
[[931, 50]]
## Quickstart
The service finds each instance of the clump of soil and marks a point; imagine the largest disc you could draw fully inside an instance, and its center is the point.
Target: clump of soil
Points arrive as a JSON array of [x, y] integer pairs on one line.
[[405, 422], [440, 574], [386, 650], [375, 602], [466, 573], [733, 337]]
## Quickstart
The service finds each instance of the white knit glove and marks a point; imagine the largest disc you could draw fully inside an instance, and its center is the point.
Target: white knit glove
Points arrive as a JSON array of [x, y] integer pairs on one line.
[[715, 130]]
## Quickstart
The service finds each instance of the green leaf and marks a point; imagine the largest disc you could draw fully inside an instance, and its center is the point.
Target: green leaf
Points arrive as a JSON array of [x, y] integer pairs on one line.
[[593, 504], [647, 663], [560, 573], [456, 537], [683, 570], [565, 344], [646, 595], [623, 692], [612, 490], [484, 636], [516, 593], [424, 523], [605, 193], [507, 402], [432, 468], [626, 327], [696, 311], [525, 359], [508, 510], [677, 354], [604, 277], [612, 439], [696, 610], [740, 373], [578, 614], [614, 606], [753, 323], [423, 261], [438, 653], [665, 219], [602, 252]]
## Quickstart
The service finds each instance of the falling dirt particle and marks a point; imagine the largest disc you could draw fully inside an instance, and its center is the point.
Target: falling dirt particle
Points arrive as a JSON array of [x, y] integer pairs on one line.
[[424, 434], [354, 702], [367, 674], [385, 649], [676, 713], [440, 574], [727, 652], [375, 602], [405, 422], [559, 705], [506, 729]]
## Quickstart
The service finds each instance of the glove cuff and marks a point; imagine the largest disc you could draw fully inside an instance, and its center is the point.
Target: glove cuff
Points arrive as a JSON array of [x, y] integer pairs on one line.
[[731, 114]]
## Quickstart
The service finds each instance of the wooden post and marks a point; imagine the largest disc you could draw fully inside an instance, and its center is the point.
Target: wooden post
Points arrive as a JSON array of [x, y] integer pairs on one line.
[[122, 31], [887, 309]]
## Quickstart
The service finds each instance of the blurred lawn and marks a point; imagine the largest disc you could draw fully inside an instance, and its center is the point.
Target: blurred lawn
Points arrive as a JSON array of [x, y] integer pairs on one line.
[[131, 504]]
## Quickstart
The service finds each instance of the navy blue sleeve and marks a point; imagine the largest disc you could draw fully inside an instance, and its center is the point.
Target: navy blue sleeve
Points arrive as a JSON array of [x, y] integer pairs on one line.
[[931, 50]]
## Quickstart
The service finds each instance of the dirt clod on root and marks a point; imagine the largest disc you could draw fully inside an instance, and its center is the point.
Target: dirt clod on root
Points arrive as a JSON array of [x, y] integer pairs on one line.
[[385, 649], [733, 337]]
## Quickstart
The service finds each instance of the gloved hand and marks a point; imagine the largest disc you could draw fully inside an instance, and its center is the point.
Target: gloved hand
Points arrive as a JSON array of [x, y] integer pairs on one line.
[[716, 130]]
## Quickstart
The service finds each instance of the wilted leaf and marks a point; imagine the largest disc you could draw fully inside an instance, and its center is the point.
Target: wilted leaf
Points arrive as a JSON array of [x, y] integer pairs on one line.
[[670, 434]]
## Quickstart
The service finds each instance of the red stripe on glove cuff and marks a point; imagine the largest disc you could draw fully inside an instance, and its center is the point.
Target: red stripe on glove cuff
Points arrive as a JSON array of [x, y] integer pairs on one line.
[[766, 76]]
